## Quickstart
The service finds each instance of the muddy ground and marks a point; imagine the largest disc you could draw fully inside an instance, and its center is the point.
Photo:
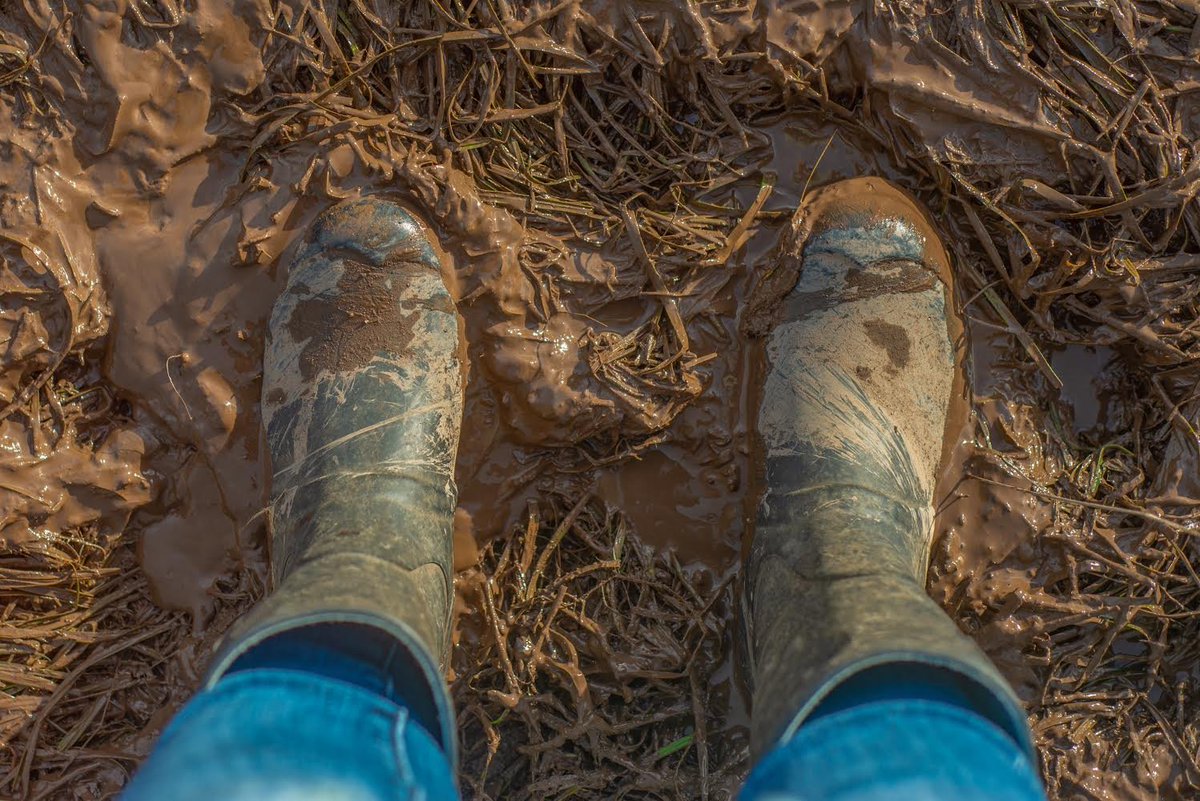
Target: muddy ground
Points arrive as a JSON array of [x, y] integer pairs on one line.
[[608, 180]]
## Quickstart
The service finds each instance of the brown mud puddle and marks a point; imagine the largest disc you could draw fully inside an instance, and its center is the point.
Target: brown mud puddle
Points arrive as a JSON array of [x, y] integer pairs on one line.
[[606, 179]]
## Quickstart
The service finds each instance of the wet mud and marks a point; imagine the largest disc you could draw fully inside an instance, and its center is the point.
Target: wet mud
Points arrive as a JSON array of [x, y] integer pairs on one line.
[[608, 183]]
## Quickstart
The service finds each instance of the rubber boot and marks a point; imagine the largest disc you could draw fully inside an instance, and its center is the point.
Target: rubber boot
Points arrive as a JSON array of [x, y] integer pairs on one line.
[[362, 403], [861, 369]]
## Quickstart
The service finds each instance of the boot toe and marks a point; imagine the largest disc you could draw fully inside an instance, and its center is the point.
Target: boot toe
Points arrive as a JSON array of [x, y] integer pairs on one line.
[[374, 230], [871, 221]]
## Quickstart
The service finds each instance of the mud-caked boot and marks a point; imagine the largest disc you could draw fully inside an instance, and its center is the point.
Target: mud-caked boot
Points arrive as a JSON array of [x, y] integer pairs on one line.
[[860, 375], [361, 403]]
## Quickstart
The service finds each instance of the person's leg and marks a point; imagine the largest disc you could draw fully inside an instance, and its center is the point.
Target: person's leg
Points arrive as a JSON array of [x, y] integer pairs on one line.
[[302, 720], [331, 688], [863, 687], [903, 734]]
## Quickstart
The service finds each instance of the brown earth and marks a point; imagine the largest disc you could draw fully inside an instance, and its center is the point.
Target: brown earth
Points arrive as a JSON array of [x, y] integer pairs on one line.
[[607, 180]]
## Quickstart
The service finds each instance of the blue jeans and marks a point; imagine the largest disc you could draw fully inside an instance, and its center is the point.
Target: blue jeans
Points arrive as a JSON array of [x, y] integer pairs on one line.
[[905, 733], [300, 719], [306, 723]]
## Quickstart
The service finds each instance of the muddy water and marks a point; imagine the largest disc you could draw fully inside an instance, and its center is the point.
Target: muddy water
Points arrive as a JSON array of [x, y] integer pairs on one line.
[[167, 262]]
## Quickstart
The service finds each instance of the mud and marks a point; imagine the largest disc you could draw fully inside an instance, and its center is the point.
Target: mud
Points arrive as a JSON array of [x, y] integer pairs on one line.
[[607, 181]]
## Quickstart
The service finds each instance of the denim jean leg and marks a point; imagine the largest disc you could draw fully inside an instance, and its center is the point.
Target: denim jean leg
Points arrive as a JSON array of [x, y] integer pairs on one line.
[[280, 735], [298, 722], [916, 737]]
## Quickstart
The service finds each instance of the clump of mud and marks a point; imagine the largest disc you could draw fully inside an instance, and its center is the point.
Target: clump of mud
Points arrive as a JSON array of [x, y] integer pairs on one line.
[[607, 180]]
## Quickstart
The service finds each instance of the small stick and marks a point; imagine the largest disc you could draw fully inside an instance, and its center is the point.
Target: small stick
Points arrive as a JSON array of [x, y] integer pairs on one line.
[[1103, 507], [557, 537], [183, 358]]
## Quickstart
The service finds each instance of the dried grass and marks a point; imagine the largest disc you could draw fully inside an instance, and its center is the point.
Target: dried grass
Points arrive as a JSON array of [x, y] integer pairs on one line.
[[586, 665]]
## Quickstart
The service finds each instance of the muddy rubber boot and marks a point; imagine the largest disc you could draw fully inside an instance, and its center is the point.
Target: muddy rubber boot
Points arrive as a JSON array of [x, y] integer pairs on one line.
[[861, 368], [362, 403]]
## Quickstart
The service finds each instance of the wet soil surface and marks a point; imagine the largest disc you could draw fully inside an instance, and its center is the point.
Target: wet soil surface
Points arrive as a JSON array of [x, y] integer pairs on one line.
[[606, 180]]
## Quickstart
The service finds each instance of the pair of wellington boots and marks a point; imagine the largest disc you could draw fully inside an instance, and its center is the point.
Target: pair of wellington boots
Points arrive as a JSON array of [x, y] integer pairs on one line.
[[362, 401]]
